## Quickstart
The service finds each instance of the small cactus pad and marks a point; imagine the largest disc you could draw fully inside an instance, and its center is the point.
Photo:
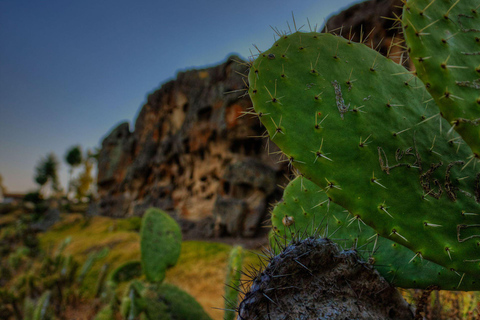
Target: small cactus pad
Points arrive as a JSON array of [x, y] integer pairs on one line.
[[396, 263], [160, 243], [354, 122], [169, 302], [443, 39], [235, 262], [126, 272]]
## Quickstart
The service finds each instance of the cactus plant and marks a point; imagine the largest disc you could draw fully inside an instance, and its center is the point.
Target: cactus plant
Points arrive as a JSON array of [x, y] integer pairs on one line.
[[126, 272], [443, 43], [160, 244], [235, 262], [175, 303], [354, 122]]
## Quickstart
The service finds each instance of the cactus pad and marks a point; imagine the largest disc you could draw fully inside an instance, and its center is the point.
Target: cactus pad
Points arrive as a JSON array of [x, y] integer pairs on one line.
[[169, 302], [160, 244], [299, 215], [443, 38], [354, 123], [126, 272]]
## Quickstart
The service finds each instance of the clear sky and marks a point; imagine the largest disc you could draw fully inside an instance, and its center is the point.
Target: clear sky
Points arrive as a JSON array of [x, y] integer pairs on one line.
[[72, 70]]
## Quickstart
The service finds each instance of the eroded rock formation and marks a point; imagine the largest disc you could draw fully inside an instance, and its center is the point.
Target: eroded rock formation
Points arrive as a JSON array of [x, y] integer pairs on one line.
[[190, 153], [374, 23]]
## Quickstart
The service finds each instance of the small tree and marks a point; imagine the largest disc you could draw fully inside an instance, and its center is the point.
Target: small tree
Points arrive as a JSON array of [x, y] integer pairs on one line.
[[46, 171], [73, 157], [85, 179], [3, 190]]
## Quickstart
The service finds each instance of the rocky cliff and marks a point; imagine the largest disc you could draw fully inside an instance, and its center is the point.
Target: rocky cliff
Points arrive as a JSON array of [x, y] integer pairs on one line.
[[375, 23], [191, 154]]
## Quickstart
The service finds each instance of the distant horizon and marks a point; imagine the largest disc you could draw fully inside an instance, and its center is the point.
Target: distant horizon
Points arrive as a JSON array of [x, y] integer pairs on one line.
[[71, 72]]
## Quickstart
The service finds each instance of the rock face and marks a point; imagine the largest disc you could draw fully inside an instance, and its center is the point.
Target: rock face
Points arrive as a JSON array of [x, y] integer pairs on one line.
[[373, 23], [190, 153]]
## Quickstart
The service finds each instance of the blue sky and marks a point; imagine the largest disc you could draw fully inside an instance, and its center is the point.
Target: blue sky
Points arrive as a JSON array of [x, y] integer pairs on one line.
[[72, 70]]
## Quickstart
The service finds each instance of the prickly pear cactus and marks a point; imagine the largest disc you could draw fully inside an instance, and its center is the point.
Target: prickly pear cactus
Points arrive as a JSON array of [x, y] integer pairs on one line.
[[354, 122], [160, 243], [235, 262], [160, 301], [126, 272], [443, 38], [300, 216], [167, 301]]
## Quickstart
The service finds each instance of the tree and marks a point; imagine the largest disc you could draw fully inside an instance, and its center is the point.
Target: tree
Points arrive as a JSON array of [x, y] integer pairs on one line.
[[3, 190], [46, 171], [73, 157], [85, 179]]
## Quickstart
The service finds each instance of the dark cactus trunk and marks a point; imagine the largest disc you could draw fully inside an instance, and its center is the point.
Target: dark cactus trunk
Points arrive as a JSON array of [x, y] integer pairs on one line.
[[313, 279]]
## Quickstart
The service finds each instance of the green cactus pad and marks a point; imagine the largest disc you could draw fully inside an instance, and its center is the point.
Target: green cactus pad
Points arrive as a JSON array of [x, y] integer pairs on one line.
[[235, 263], [160, 243], [443, 38], [126, 272], [354, 122], [169, 302], [299, 215]]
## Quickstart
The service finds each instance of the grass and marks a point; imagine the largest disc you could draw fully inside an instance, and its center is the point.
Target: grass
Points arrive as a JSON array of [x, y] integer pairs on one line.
[[200, 270]]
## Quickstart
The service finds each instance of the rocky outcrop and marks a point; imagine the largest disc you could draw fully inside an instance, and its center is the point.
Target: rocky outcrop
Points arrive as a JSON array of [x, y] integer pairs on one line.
[[374, 23], [191, 153]]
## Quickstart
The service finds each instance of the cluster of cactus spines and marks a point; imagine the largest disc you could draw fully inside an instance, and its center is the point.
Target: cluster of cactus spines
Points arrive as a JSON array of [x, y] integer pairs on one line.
[[160, 244], [234, 269], [443, 43], [300, 216], [354, 122]]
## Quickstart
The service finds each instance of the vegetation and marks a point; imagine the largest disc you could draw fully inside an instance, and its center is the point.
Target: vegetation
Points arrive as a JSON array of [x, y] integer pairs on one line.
[[47, 172], [87, 288], [74, 158], [377, 166], [399, 183]]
